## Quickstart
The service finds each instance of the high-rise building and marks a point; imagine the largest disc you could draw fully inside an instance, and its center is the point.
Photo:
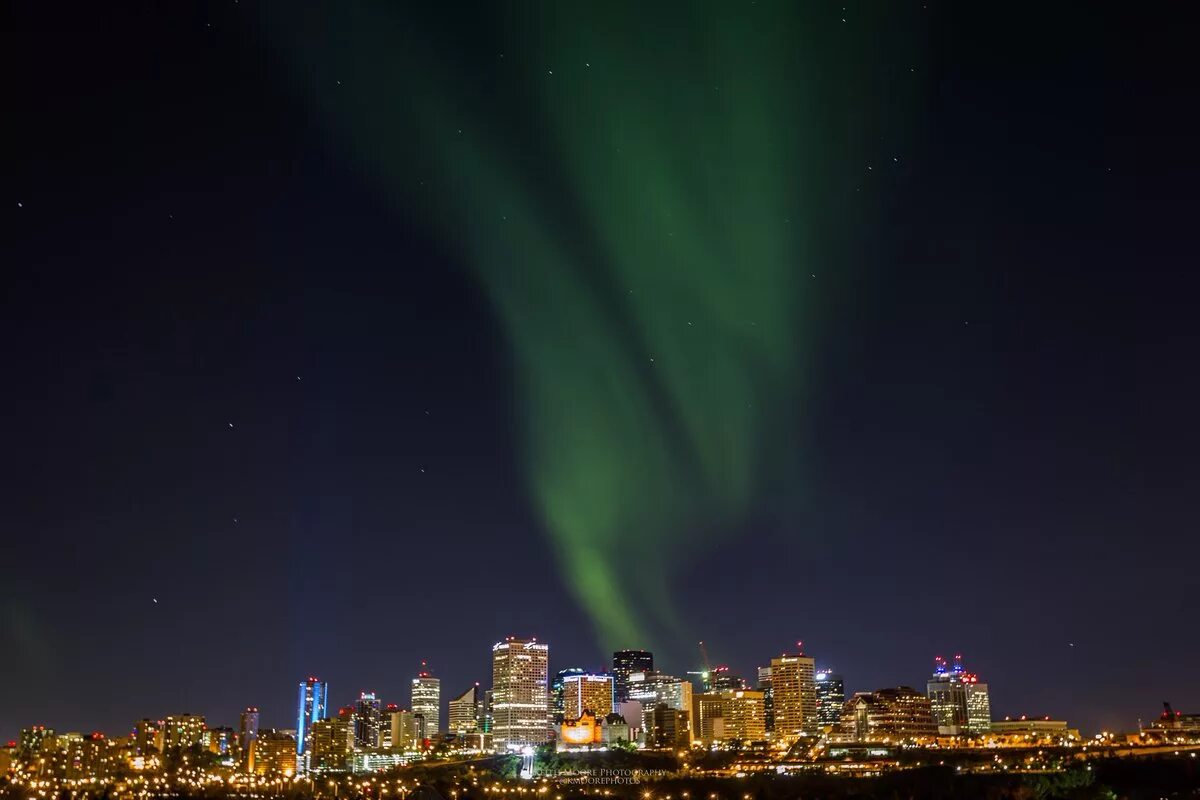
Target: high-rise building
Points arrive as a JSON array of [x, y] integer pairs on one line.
[[720, 679], [764, 686], [960, 702], [247, 733], [182, 731], [592, 693], [35, 739], [311, 707], [147, 737], [794, 693], [427, 704], [652, 688], [486, 717], [464, 712], [332, 743], [831, 696], [624, 664], [668, 728], [368, 716], [274, 754], [404, 730], [520, 699], [557, 706], [893, 715]]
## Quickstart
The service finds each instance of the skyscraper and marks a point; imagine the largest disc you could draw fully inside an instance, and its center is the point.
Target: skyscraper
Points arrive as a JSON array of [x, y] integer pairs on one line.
[[557, 705], [427, 703], [404, 730], [794, 692], [367, 720], [314, 697], [960, 702], [831, 696], [764, 686], [592, 693], [464, 712], [624, 664], [247, 733], [520, 700]]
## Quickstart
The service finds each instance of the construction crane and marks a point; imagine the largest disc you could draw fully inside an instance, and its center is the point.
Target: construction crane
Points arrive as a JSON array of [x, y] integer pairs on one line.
[[707, 671]]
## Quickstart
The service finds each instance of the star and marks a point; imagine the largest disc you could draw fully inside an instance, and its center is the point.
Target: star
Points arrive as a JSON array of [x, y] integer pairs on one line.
[[155, 600], [231, 424], [297, 377], [19, 205]]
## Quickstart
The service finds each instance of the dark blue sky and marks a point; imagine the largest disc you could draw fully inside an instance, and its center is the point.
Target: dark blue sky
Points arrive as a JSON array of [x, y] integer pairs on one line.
[[1002, 438]]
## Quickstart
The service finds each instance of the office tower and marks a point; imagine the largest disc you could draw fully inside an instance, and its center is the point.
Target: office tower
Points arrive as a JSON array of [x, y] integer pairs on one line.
[[404, 730], [831, 696], [979, 705], [221, 741], [312, 707], [720, 679], [427, 703], [764, 686], [332, 743], [33, 740], [794, 694], [520, 700], [744, 717], [367, 719], [592, 693], [486, 717], [247, 733], [960, 702], [624, 664], [464, 712], [668, 728], [893, 715], [275, 754], [652, 688], [147, 737], [556, 691], [182, 731]]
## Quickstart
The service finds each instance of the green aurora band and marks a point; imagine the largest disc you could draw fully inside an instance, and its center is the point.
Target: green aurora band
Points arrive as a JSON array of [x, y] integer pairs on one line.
[[643, 196]]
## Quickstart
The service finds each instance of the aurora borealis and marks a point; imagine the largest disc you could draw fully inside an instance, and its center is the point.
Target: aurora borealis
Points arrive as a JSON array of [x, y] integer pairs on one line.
[[343, 336], [645, 199]]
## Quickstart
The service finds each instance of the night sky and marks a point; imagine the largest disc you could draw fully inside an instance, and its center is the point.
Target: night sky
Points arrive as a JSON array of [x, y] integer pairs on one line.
[[338, 338]]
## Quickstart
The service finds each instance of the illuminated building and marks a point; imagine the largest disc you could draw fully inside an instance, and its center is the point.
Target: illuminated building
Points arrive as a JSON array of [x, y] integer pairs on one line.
[[222, 741], [652, 688], [312, 707], [464, 712], [794, 696], [614, 729], [886, 715], [404, 730], [831, 696], [147, 737], [367, 720], [730, 715], [764, 686], [33, 740], [331, 743], [520, 700], [668, 728], [181, 732], [592, 693], [721, 679], [426, 704], [624, 664], [556, 691], [583, 731], [1027, 731], [486, 719], [960, 702], [274, 754], [247, 733], [979, 705]]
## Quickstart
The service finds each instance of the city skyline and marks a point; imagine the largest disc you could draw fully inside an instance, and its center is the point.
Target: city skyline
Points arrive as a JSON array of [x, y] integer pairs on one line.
[[340, 338]]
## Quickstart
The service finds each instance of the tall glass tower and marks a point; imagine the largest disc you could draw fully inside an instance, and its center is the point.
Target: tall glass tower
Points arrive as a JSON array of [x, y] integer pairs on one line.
[[624, 664], [313, 706]]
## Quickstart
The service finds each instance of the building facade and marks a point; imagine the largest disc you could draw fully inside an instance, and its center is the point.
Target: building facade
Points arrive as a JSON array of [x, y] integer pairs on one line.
[[426, 705], [592, 693], [312, 706], [368, 720], [831, 696], [794, 695], [464, 712], [892, 715], [520, 696], [624, 664]]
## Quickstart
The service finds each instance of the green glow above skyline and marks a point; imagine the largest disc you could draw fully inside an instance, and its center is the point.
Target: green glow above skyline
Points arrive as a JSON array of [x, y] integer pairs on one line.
[[642, 200]]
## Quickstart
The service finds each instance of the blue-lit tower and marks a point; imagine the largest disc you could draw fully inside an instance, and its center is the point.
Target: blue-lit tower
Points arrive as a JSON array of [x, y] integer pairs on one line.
[[312, 707]]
